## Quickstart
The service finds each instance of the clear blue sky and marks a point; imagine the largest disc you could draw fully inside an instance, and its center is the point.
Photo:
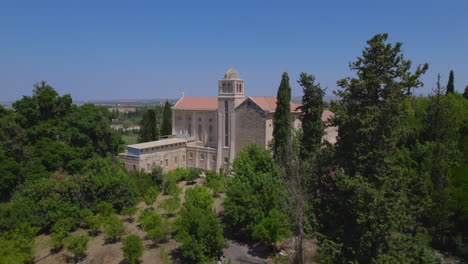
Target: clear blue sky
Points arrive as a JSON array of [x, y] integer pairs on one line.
[[157, 49]]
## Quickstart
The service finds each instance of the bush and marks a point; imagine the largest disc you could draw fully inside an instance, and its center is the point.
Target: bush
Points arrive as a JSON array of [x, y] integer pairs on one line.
[[77, 245], [17, 245], [170, 205], [154, 224], [132, 248], [214, 181], [93, 222], [151, 195], [157, 175], [143, 181], [173, 189], [272, 228], [105, 208], [192, 174], [114, 228], [128, 211], [58, 239]]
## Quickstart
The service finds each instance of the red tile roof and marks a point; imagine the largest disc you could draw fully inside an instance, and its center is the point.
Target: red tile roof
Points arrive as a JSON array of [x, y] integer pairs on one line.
[[211, 103], [269, 103], [327, 115], [197, 103]]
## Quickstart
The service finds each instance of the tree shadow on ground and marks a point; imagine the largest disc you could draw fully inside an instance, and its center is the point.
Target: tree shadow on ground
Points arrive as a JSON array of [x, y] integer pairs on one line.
[[255, 249], [177, 257]]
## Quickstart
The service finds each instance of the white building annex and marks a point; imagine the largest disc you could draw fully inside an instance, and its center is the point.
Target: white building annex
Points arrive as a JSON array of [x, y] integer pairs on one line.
[[208, 132]]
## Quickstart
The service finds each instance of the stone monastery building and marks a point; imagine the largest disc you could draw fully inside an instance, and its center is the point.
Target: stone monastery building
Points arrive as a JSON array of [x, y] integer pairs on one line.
[[209, 131]]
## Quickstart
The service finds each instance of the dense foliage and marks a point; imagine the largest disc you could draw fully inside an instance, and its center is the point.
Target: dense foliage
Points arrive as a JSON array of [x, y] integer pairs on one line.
[[166, 124], [198, 228], [254, 190], [282, 121], [311, 118], [45, 132], [149, 130]]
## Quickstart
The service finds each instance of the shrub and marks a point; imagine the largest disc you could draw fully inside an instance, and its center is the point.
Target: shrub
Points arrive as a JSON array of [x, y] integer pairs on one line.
[[170, 205], [132, 248], [128, 211], [173, 189], [154, 224], [272, 228], [151, 195], [93, 222], [105, 208], [58, 239], [114, 228], [77, 245]]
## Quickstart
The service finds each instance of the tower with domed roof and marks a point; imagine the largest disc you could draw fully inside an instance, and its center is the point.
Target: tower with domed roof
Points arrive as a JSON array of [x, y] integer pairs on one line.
[[230, 95]]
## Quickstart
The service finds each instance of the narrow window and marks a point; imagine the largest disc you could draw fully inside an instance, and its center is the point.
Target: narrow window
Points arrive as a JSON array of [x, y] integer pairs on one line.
[[226, 124], [167, 162], [200, 138], [210, 133], [175, 160]]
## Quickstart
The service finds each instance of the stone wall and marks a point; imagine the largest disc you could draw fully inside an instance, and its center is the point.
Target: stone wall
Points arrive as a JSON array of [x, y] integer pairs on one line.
[[250, 125]]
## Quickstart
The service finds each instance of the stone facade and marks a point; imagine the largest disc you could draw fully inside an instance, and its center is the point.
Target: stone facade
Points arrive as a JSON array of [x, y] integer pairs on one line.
[[208, 132]]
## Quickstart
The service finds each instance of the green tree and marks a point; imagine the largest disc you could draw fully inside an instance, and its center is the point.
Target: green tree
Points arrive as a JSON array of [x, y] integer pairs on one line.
[[282, 120], [166, 126], [77, 245], [154, 224], [149, 130], [129, 211], [450, 84], [170, 205], [133, 248], [254, 190], [105, 208], [214, 181], [151, 195], [17, 245], [157, 175], [198, 228], [465, 93], [272, 228], [113, 228], [311, 118], [369, 194]]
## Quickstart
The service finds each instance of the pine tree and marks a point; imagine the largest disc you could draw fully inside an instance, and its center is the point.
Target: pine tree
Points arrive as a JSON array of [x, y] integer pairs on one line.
[[312, 109], [450, 84], [166, 126], [282, 120], [149, 131], [365, 210]]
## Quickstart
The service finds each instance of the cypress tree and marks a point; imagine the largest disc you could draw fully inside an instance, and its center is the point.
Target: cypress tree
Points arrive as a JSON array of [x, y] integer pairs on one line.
[[465, 93], [149, 130], [450, 84], [282, 120], [166, 126], [365, 210], [311, 118]]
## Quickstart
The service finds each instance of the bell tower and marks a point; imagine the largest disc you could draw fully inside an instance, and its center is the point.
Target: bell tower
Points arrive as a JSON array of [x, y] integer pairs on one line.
[[230, 95]]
